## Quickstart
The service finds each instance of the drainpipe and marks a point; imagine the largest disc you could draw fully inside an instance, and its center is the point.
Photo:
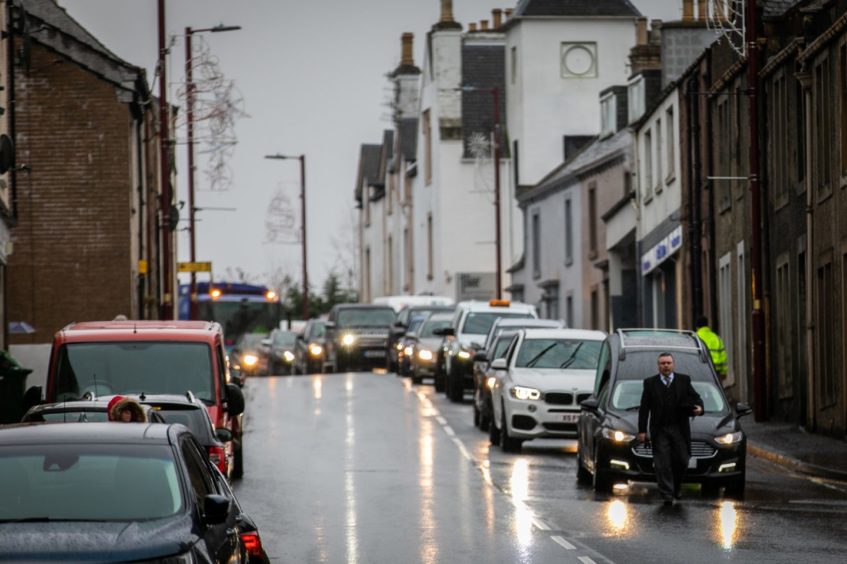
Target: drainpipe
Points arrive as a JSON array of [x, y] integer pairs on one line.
[[805, 78], [139, 139], [10, 107], [713, 255], [694, 172]]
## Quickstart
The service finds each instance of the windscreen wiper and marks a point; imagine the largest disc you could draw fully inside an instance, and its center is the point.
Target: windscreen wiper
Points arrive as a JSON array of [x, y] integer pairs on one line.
[[537, 357], [571, 358]]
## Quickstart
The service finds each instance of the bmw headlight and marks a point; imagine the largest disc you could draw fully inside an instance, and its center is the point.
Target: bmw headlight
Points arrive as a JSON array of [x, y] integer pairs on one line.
[[408, 350], [425, 354], [250, 360], [288, 356], [464, 355], [315, 349], [522, 393], [348, 339], [730, 438], [618, 436]]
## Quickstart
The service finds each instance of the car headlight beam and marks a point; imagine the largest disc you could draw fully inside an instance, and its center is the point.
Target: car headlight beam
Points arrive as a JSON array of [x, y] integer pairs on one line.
[[315, 349], [730, 438], [618, 436], [464, 355], [425, 354], [490, 381], [348, 339], [524, 393], [250, 360], [288, 356]]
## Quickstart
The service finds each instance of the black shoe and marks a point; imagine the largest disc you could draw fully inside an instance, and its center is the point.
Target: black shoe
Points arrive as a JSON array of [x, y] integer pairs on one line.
[[668, 502], [677, 497]]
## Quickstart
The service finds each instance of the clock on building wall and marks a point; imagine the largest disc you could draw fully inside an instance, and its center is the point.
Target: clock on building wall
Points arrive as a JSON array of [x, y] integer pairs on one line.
[[579, 60]]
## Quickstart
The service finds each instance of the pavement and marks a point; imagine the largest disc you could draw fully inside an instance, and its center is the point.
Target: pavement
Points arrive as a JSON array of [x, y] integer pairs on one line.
[[795, 448]]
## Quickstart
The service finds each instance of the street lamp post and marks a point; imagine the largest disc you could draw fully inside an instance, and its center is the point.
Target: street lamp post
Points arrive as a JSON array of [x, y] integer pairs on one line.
[[302, 159], [189, 116]]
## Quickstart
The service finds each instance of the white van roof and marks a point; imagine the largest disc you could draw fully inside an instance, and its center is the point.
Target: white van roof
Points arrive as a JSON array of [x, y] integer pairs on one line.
[[399, 302]]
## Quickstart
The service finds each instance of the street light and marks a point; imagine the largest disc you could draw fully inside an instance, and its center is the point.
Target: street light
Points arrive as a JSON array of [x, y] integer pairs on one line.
[[495, 94], [189, 114], [302, 159]]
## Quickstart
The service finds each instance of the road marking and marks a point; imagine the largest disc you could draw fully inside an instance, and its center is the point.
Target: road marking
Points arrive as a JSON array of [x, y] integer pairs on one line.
[[462, 449], [441, 420], [563, 543], [585, 560], [449, 430], [539, 524]]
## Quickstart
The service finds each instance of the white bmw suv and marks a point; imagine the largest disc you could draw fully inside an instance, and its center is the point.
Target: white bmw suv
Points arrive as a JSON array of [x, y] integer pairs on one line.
[[544, 376]]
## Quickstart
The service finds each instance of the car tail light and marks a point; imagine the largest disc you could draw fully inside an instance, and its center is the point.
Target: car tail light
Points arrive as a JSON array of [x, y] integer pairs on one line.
[[218, 458], [252, 543]]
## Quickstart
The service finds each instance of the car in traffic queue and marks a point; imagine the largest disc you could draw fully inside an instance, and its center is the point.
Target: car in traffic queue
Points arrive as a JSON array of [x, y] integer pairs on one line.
[[608, 450], [496, 342], [471, 322], [280, 351], [357, 336], [408, 319], [405, 345], [131, 357], [115, 492], [544, 375], [310, 348], [249, 356], [423, 353]]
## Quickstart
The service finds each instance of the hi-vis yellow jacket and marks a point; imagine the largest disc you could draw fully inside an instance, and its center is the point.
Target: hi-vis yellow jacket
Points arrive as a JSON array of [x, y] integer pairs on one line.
[[716, 349]]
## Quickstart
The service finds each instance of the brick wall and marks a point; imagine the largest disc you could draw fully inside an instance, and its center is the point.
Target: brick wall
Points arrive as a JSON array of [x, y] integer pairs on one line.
[[72, 257]]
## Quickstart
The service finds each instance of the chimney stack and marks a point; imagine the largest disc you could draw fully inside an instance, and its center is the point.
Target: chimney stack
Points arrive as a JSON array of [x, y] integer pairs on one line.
[[497, 17], [472, 27], [702, 10], [687, 10], [641, 31], [406, 57], [483, 25], [446, 11]]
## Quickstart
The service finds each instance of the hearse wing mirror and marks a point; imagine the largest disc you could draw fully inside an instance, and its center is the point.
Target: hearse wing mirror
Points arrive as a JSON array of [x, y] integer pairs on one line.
[[234, 400], [591, 404]]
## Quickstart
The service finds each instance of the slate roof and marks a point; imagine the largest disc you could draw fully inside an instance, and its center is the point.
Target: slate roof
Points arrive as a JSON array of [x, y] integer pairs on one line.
[[776, 8], [483, 67], [46, 18], [386, 156], [369, 156], [576, 8], [407, 138]]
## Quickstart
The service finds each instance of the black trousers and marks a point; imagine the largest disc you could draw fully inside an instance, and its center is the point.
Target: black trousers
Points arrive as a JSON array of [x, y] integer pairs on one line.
[[670, 459]]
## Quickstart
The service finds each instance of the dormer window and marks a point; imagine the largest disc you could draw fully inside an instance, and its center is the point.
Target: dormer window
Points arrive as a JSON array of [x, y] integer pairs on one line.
[[608, 121], [636, 99]]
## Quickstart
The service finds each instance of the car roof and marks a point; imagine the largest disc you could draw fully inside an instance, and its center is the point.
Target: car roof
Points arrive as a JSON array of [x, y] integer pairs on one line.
[[475, 305], [97, 331], [507, 322], [362, 306], [670, 340], [87, 433], [440, 316], [580, 334]]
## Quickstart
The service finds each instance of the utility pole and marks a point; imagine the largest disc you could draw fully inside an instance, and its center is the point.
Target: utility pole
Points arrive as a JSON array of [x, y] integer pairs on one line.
[[166, 307], [760, 405]]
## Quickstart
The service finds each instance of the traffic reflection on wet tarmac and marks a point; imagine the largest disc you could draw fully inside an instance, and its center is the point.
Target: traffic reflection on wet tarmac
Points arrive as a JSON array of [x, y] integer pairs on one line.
[[519, 488], [426, 455], [617, 516], [727, 524], [317, 387]]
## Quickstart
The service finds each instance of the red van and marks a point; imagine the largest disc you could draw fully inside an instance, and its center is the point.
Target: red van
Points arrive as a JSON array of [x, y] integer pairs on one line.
[[98, 358]]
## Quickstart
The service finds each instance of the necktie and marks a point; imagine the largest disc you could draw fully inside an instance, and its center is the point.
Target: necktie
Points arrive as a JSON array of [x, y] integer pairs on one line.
[[666, 380]]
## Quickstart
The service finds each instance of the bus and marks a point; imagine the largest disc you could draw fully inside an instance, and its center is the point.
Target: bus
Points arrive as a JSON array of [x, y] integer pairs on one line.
[[240, 308]]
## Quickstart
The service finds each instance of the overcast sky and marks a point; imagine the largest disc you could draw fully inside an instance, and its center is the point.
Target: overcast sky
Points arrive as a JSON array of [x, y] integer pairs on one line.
[[311, 76]]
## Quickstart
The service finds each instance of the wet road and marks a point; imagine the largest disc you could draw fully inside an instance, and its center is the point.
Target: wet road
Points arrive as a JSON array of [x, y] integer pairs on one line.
[[368, 468]]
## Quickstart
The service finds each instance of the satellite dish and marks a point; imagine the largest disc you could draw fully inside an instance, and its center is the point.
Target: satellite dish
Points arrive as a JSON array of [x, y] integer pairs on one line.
[[7, 153]]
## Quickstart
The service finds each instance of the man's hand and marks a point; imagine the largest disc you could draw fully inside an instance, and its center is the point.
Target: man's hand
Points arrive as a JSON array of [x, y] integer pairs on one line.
[[642, 437], [698, 410]]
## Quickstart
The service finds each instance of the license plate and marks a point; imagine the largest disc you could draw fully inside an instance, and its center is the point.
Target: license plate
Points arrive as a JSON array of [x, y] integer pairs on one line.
[[692, 463], [372, 354], [570, 417]]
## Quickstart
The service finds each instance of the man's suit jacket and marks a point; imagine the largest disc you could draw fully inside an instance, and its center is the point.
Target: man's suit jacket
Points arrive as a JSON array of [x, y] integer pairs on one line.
[[653, 404]]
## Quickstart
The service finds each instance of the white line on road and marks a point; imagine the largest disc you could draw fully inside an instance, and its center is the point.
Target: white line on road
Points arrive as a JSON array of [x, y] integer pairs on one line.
[[449, 430], [441, 420], [563, 543], [539, 524], [585, 560], [462, 449]]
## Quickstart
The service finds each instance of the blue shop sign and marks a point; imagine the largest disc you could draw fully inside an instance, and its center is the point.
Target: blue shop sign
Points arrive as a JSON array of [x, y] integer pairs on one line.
[[661, 250]]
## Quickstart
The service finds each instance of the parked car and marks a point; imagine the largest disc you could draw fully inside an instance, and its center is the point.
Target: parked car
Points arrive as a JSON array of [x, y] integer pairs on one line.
[[471, 322], [423, 357], [357, 336], [608, 450], [94, 410], [310, 348], [146, 357], [496, 342], [545, 373], [249, 356], [407, 320], [280, 351], [405, 344], [114, 492]]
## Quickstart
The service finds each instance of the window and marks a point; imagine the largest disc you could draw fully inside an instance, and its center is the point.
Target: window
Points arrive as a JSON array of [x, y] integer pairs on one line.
[[635, 98], [389, 286], [513, 65], [592, 220], [390, 202], [407, 250], [515, 155], [741, 317], [723, 167], [427, 139], [429, 245], [658, 155], [785, 374], [825, 335], [842, 88], [670, 143], [778, 139], [725, 313], [823, 127], [608, 105], [366, 283], [595, 308], [569, 314], [568, 233], [536, 245], [647, 163]]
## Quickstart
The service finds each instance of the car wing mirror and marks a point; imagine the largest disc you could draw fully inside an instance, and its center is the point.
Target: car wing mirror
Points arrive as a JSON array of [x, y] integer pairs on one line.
[[215, 509], [499, 364], [590, 405], [443, 332], [480, 357], [234, 400], [266, 342], [32, 397], [742, 409], [223, 434], [329, 325]]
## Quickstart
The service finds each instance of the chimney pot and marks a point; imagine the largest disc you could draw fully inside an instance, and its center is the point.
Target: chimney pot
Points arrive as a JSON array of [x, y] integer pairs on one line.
[[508, 12], [472, 27], [687, 10], [641, 31], [407, 56], [483, 25], [702, 10], [497, 17], [446, 11]]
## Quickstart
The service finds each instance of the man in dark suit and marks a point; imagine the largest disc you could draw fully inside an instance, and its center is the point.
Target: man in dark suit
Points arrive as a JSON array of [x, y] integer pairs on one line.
[[668, 400]]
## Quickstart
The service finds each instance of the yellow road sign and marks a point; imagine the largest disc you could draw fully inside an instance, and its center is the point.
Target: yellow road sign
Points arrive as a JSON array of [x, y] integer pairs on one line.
[[194, 266]]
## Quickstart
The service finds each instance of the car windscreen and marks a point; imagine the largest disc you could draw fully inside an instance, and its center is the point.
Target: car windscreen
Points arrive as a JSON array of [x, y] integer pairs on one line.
[[432, 325], [69, 416], [284, 338], [363, 317], [318, 331], [194, 418], [627, 396], [480, 322], [501, 346], [251, 341], [150, 367], [88, 482], [638, 365], [575, 354], [414, 323]]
